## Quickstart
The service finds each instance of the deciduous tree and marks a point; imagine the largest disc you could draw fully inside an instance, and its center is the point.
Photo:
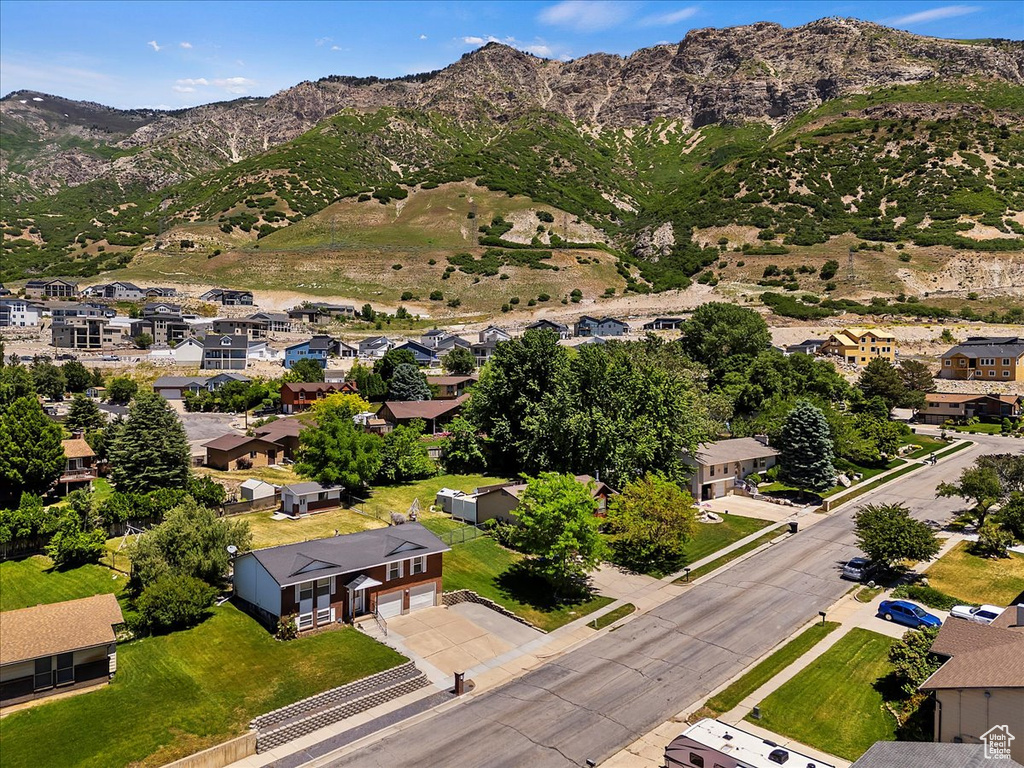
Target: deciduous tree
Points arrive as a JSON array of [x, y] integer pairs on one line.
[[459, 362], [385, 367], [404, 456], [912, 660], [337, 452], [888, 534], [461, 452], [31, 454], [49, 379], [978, 484], [306, 370], [725, 336], [76, 376], [121, 390], [652, 520]]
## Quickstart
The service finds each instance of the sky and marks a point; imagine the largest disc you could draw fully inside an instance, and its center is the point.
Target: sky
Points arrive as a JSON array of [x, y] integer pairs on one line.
[[176, 54]]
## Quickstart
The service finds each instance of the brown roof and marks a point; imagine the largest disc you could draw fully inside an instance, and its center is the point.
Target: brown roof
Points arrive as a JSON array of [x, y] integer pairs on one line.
[[423, 409], [942, 397], [449, 381], [275, 430], [77, 448], [46, 630], [231, 441], [319, 386], [980, 655]]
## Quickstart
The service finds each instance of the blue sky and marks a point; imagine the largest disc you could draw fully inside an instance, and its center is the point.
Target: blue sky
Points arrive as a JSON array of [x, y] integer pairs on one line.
[[174, 54]]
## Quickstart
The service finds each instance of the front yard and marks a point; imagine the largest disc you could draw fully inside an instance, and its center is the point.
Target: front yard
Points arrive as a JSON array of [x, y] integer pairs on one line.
[[837, 703], [179, 693], [32, 581], [974, 579]]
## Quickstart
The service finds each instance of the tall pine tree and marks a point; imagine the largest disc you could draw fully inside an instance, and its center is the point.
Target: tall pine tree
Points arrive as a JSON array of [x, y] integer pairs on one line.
[[805, 449], [150, 450], [84, 415], [31, 454]]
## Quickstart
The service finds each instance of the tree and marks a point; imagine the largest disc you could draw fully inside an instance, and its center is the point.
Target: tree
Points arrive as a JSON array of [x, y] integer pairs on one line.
[[15, 382], [121, 390], [404, 456], [76, 376], [459, 362], [1009, 467], [340, 404], [724, 336], [805, 449], [143, 340], [979, 484], [993, 541], [31, 454], [652, 520], [49, 380], [75, 537], [558, 526], [912, 660], [206, 491], [305, 370], [174, 602], [385, 367], [408, 383], [888, 534], [917, 382], [1011, 516], [460, 451], [191, 541], [84, 415], [336, 452], [370, 384], [150, 450], [881, 379]]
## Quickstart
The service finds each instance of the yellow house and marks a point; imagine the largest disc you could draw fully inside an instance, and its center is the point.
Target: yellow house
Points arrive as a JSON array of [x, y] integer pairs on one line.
[[988, 358], [860, 346]]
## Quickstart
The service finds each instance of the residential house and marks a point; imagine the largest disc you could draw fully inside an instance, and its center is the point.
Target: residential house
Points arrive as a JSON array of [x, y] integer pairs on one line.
[[940, 407], [709, 743], [116, 291], [79, 466], [240, 326], [319, 349], [484, 350], [859, 346], [336, 310], [57, 648], [450, 342], [188, 352], [721, 466], [375, 347], [233, 451], [161, 308], [261, 350], [425, 356], [19, 313], [385, 571], [927, 754], [284, 432], [433, 337], [228, 297], [225, 353], [606, 326], [300, 499], [806, 347], [563, 331], [450, 387], [160, 292], [52, 288], [500, 501], [175, 387], [90, 332], [980, 686], [64, 310], [165, 329], [273, 322], [664, 324], [338, 375], [985, 358], [308, 314], [435, 413], [255, 490], [297, 397], [493, 333]]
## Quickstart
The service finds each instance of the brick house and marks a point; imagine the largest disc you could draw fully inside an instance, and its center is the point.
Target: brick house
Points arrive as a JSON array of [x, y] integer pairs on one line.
[[297, 397], [940, 407], [435, 413], [387, 571]]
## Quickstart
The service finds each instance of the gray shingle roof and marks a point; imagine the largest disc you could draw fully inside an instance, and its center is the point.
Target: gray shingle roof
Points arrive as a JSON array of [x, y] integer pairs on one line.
[[991, 346], [317, 559], [736, 449], [913, 754]]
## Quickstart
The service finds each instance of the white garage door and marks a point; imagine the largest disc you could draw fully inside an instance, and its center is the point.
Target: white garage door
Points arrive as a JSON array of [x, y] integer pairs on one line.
[[390, 605], [421, 597]]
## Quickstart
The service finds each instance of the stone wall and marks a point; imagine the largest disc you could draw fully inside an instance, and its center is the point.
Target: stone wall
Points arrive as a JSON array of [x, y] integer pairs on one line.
[[469, 596]]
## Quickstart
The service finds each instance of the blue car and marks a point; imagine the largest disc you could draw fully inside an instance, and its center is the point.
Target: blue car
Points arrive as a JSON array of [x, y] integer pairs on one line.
[[903, 612]]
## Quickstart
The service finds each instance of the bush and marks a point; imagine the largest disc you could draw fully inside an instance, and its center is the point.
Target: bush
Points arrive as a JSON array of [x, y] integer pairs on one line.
[[436, 296], [287, 629], [174, 601], [503, 533], [993, 541], [407, 295], [930, 596]]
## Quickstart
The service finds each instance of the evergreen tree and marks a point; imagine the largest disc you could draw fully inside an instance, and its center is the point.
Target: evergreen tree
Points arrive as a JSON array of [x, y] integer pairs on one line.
[[31, 454], [408, 383], [385, 367], [76, 376], [917, 382], [881, 379], [459, 362], [84, 415], [370, 384], [805, 449], [150, 450]]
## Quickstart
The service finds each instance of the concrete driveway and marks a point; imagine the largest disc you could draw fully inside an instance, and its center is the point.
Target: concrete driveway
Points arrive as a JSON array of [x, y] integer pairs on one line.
[[459, 637], [744, 506]]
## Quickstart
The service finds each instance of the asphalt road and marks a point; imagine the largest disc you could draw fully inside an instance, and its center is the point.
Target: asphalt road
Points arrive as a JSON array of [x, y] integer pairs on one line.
[[595, 700]]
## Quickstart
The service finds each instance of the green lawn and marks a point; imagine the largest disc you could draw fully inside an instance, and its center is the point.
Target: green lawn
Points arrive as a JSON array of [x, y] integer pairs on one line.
[[176, 694], [495, 573], [32, 581], [711, 537], [862, 488], [985, 429], [927, 445], [612, 616], [385, 499], [866, 473], [718, 562], [267, 532], [730, 697], [978, 579], [834, 704], [958, 447]]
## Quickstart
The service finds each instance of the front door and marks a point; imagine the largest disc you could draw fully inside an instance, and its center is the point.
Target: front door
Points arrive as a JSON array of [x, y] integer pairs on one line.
[[359, 602]]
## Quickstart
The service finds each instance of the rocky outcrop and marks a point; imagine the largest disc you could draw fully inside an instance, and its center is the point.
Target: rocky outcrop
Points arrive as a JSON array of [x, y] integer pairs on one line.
[[654, 244]]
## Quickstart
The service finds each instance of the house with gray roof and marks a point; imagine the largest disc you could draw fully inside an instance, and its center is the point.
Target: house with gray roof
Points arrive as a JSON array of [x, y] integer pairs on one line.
[[561, 329], [926, 754], [227, 352], [985, 358], [605, 326], [385, 571], [721, 467]]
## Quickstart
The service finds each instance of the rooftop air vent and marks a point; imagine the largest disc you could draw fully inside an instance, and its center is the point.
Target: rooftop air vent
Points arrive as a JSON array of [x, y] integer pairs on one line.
[[779, 756]]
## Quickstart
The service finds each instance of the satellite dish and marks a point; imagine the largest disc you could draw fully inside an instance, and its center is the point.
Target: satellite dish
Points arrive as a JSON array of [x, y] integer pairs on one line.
[[232, 549]]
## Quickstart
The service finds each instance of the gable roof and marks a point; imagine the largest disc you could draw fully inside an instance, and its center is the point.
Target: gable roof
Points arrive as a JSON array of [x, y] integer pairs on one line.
[[541, 324], [294, 387], [924, 754], [423, 409], [980, 655], [46, 630], [450, 381], [217, 341], [231, 441], [734, 449], [989, 346], [320, 558], [77, 448], [275, 430]]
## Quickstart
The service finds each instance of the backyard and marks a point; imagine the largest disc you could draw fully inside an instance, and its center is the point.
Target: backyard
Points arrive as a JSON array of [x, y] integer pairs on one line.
[[34, 580], [836, 704], [978, 580], [179, 693]]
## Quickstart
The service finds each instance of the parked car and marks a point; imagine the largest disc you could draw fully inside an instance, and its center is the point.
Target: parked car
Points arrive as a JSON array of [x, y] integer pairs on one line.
[[983, 614], [66, 356], [906, 613], [859, 569]]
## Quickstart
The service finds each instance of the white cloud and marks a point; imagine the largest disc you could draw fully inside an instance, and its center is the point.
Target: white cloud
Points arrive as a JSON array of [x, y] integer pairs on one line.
[[322, 41], [586, 15], [236, 85], [423, 37], [935, 14], [153, 44], [185, 44], [473, 40], [668, 19], [190, 81], [336, 48], [540, 49], [183, 89]]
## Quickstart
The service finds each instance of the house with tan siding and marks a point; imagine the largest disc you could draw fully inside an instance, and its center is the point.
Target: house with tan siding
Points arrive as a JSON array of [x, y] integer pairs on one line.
[[985, 358], [859, 346]]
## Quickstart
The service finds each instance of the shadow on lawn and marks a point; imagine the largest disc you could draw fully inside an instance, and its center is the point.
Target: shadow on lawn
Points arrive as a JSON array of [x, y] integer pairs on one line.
[[521, 582], [914, 714]]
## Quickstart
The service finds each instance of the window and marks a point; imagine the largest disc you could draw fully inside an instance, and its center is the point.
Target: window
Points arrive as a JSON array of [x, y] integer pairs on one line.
[[304, 620], [992, 372], [395, 570], [419, 565], [322, 496], [1006, 374], [962, 362], [697, 760], [44, 673], [947, 362], [306, 591], [65, 668], [711, 473], [1006, 361]]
